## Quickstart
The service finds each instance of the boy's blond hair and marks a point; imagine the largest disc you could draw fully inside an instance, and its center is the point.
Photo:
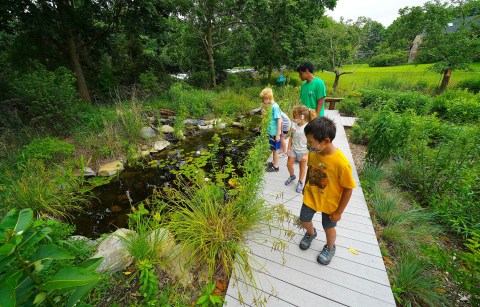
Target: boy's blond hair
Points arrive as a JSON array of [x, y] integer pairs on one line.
[[266, 93]]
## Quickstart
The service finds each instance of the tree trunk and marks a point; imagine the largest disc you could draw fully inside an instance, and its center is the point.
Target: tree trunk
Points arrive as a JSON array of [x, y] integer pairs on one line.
[[211, 60], [446, 78], [335, 83], [77, 69]]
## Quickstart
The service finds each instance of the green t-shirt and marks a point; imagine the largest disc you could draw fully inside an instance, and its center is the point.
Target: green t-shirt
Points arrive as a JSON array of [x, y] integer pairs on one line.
[[311, 92]]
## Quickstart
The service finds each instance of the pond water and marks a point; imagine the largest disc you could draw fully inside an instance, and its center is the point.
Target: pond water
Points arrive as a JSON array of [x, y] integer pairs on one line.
[[113, 201]]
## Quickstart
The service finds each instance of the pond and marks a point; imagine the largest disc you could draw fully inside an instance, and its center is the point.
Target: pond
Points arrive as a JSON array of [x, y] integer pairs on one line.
[[113, 201]]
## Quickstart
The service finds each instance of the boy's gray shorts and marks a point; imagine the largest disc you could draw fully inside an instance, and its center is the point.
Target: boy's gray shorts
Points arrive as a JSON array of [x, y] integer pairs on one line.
[[297, 155], [307, 213]]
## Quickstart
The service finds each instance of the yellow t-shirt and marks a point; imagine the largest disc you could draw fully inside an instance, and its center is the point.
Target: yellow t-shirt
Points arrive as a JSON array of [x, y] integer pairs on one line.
[[327, 176]]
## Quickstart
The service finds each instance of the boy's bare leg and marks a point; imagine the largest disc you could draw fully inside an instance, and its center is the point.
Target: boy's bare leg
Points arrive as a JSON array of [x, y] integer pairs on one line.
[[303, 171], [283, 143], [275, 158], [331, 235], [290, 166], [309, 227]]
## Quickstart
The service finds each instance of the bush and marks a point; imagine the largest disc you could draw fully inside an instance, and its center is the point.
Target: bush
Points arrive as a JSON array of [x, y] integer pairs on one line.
[[199, 79], [149, 82], [46, 149], [389, 59], [51, 98], [396, 101], [197, 102], [457, 107], [471, 85], [349, 107]]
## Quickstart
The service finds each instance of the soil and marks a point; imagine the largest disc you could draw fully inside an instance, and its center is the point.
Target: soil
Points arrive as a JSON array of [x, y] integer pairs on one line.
[[358, 151]]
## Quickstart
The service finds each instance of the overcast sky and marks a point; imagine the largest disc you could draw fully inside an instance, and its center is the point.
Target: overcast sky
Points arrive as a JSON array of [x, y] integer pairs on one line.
[[383, 11]]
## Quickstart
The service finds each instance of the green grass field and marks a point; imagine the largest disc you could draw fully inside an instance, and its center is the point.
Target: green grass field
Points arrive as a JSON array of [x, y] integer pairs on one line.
[[365, 76]]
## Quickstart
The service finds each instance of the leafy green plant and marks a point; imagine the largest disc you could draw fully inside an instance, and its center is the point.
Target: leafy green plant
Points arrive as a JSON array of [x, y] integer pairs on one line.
[[26, 256], [463, 267], [208, 298], [149, 82], [46, 149], [51, 98], [349, 107], [148, 281]]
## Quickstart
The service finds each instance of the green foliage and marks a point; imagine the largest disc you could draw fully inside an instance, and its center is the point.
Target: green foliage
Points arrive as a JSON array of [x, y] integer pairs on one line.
[[50, 98], [197, 102], [389, 59], [149, 82], [25, 259], [43, 190], [200, 79], [208, 299], [148, 281], [46, 149], [460, 107], [463, 267], [349, 107], [471, 85], [413, 283], [147, 240], [380, 99]]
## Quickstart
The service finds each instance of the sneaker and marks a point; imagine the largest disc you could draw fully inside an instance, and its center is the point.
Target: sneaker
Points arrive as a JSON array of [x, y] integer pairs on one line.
[[290, 180], [282, 155], [269, 164], [299, 188], [307, 240], [326, 255], [272, 168]]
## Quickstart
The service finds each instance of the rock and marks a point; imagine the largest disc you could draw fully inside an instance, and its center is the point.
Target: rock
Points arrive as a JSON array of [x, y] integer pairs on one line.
[[222, 126], [116, 256], [237, 124], [178, 265], [160, 145], [256, 111], [89, 172], [164, 238], [151, 119], [141, 154], [111, 169], [206, 127], [167, 129], [191, 122], [116, 208], [147, 133]]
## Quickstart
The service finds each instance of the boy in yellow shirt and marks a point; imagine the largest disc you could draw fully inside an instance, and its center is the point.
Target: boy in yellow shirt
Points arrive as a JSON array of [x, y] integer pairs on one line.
[[328, 185]]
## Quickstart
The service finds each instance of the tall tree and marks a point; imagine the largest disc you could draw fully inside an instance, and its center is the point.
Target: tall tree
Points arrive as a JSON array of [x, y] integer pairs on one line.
[[279, 28], [72, 27], [372, 34], [451, 40], [211, 22], [334, 44]]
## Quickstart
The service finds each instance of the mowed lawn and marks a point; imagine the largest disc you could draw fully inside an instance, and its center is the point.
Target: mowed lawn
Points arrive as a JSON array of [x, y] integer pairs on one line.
[[365, 76]]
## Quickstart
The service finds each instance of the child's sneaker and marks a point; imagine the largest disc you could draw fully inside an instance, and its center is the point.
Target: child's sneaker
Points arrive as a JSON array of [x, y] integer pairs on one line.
[[272, 168], [307, 239], [326, 255], [290, 180], [299, 188], [282, 155]]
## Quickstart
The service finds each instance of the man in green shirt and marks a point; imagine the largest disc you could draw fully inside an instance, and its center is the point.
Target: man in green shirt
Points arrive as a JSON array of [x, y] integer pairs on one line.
[[313, 91]]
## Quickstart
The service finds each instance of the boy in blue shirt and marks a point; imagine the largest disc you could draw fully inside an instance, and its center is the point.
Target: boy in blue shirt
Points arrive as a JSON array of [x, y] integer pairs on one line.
[[274, 128]]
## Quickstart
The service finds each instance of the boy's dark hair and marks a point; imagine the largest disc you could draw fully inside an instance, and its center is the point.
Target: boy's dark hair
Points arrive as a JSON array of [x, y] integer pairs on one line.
[[304, 66], [321, 128]]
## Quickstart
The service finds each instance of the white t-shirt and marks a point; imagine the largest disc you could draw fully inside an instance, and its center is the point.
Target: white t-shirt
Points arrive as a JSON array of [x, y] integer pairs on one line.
[[285, 122], [299, 139]]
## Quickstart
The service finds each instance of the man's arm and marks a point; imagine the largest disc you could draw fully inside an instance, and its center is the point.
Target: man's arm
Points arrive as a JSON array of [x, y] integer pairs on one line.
[[342, 204], [319, 105]]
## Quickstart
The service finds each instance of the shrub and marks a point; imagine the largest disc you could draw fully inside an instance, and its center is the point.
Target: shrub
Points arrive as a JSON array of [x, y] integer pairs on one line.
[[197, 102], [51, 98], [389, 59], [46, 149], [380, 99], [149, 82], [200, 79], [471, 85], [458, 107], [349, 107]]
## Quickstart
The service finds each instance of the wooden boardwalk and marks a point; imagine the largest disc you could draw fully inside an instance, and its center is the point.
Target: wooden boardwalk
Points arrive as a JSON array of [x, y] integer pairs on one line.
[[293, 277]]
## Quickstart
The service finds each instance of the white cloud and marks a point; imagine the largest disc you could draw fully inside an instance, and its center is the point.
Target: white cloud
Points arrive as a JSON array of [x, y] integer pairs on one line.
[[383, 11]]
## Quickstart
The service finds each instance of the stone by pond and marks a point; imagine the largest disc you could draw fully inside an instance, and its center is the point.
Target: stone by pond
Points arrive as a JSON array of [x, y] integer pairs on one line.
[[114, 200]]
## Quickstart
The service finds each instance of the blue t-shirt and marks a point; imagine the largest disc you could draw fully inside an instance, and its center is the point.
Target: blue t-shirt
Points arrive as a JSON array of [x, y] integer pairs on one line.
[[275, 114]]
